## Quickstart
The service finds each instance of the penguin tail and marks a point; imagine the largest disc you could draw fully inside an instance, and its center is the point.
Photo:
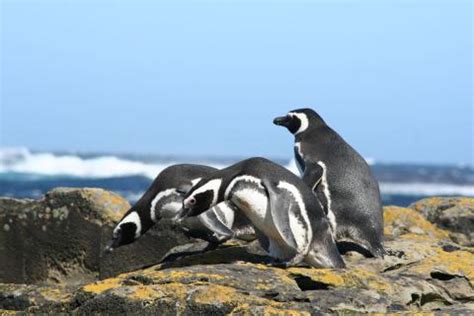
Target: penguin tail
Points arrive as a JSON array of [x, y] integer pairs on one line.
[[378, 251], [365, 248]]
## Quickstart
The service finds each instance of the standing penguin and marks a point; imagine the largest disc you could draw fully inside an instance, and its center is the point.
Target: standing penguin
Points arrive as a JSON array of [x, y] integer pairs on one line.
[[341, 179], [290, 224], [164, 199]]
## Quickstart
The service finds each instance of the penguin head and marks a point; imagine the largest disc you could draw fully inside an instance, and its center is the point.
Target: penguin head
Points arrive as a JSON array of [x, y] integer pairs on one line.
[[126, 231], [201, 197], [298, 121]]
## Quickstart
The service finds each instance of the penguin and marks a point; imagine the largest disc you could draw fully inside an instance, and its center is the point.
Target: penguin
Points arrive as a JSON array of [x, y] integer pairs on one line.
[[164, 199], [341, 179], [288, 221]]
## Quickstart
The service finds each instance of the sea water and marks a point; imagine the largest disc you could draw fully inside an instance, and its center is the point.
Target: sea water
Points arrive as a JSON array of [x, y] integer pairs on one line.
[[29, 174]]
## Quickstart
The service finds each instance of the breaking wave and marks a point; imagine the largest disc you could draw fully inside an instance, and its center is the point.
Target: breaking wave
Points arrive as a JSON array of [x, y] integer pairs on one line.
[[24, 161], [24, 165]]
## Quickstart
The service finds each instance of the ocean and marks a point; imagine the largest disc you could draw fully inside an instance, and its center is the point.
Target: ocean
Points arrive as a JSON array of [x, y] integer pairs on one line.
[[30, 174]]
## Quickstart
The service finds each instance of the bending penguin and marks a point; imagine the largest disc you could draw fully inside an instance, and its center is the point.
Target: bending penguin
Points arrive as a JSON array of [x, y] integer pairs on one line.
[[289, 223], [164, 199], [341, 179]]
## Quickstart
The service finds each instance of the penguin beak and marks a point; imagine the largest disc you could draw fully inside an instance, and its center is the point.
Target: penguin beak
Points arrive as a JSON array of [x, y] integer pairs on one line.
[[183, 214], [282, 120], [114, 243], [188, 211], [179, 218]]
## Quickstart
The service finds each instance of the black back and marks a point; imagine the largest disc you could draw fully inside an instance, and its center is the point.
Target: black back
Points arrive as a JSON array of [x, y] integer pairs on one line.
[[354, 190], [176, 176], [267, 170]]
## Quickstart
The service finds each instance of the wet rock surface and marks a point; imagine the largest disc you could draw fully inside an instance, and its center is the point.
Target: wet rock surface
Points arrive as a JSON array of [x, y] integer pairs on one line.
[[425, 270]]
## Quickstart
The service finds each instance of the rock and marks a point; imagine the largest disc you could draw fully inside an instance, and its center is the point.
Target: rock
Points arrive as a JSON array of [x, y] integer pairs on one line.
[[453, 214], [423, 271], [60, 238]]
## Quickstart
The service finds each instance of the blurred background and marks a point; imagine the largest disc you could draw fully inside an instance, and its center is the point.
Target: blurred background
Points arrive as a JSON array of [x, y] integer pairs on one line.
[[108, 93]]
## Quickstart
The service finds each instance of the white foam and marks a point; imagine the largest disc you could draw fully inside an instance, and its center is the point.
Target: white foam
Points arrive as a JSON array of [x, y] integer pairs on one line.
[[426, 189], [21, 160], [414, 188]]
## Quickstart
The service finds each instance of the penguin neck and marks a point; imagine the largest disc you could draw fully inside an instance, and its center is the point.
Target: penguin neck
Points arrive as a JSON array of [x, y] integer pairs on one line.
[[143, 209], [312, 130]]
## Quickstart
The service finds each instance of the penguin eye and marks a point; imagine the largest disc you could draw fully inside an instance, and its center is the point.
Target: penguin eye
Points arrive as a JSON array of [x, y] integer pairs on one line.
[[192, 201]]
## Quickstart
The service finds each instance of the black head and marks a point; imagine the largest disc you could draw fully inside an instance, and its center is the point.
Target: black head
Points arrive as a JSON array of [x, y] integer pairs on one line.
[[298, 121], [126, 232], [202, 197]]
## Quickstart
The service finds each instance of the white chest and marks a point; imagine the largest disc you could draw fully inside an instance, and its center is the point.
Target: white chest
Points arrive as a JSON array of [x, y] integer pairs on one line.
[[254, 204], [299, 158]]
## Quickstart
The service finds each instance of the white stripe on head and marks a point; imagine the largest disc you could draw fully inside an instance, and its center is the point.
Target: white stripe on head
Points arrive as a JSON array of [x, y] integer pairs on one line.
[[133, 218], [195, 181], [157, 198], [302, 233], [304, 122], [212, 185], [244, 178], [327, 193]]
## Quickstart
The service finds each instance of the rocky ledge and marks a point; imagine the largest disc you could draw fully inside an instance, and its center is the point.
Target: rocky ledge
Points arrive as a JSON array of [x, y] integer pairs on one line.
[[429, 266]]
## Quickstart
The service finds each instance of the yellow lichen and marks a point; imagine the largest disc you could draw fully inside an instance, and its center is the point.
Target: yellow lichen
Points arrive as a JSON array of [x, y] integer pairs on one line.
[[272, 311], [177, 276], [176, 290], [434, 202], [105, 200], [246, 309], [326, 276], [411, 220], [216, 294], [368, 279], [55, 294], [102, 286], [219, 294], [455, 263], [8, 312], [345, 278], [144, 293]]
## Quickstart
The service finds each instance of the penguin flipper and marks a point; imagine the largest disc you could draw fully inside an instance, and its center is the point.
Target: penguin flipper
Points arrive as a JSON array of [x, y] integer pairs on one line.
[[280, 208], [211, 220], [243, 227], [313, 174]]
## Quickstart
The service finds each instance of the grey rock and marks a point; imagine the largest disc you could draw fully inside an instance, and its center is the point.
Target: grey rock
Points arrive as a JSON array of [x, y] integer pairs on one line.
[[423, 270], [453, 214], [60, 238]]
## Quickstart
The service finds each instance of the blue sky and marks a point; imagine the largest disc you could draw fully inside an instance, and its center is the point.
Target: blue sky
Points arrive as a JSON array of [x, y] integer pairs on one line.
[[394, 78]]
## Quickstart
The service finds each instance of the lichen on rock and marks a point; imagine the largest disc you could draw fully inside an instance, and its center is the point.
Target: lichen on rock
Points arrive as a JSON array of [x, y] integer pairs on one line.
[[425, 270], [455, 215]]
